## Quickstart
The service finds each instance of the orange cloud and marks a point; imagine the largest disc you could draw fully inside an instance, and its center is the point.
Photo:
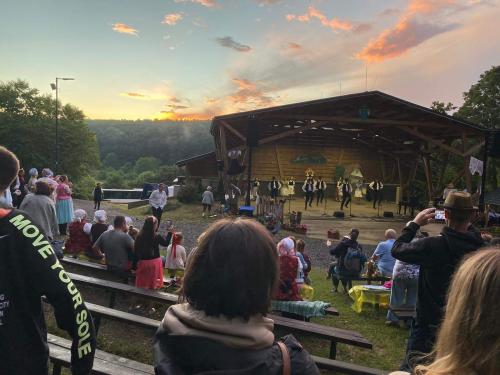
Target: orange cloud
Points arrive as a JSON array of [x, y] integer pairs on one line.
[[248, 93], [418, 23], [172, 18], [124, 29], [174, 116], [292, 46], [312, 12], [135, 95]]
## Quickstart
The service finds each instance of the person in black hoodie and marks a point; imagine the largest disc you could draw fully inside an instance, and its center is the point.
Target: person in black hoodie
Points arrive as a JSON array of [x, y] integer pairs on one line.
[[438, 258], [98, 196], [29, 270], [222, 328]]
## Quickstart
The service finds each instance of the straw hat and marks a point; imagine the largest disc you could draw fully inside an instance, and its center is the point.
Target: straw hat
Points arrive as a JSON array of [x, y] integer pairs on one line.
[[458, 201]]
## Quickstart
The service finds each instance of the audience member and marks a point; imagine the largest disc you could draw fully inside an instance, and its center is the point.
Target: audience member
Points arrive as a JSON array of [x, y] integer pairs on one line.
[[437, 258], [350, 261], [64, 204], [20, 190], [117, 246], [79, 238], [222, 327], [98, 196], [158, 201], [175, 261], [48, 177], [300, 246], [382, 255], [468, 342], [29, 270], [99, 227], [207, 200], [149, 273], [42, 209], [33, 172], [288, 289]]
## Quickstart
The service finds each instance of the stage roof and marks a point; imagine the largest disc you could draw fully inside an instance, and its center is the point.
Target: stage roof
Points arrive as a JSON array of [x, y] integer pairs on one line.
[[373, 119]]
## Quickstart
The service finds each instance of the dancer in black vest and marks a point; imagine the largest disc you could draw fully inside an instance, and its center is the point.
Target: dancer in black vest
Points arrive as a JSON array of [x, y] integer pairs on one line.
[[308, 188], [346, 194], [376, 188], [274, 188], [320, 190]]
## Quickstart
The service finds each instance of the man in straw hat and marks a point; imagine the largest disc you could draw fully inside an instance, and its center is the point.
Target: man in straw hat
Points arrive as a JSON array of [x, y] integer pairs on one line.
[[437, 257]]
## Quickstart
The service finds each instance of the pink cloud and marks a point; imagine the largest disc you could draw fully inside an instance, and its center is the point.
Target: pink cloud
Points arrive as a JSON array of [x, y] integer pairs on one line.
[[420, 21], [312, 12], [248, 93], [124, 29], [172, 18]]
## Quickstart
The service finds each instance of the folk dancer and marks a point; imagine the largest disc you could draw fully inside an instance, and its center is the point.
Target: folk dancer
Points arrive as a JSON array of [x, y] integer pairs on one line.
[[376, 187], [320, 190], [255, 189], [346, 194], [308, 188], [274, 187]]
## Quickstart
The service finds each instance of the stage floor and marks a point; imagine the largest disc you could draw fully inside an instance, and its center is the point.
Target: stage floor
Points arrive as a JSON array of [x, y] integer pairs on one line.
[[364, 217]]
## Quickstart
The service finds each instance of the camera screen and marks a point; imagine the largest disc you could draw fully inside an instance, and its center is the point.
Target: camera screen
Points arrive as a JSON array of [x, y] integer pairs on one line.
[[439, 215]]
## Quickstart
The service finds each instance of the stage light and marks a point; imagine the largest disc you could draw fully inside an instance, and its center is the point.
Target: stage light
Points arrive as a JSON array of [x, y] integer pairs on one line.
[[408, 142], [376, 135]]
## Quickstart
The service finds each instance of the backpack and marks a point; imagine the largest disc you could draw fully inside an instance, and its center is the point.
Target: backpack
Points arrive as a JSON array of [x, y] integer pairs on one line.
[[308, 262], [352, 260]]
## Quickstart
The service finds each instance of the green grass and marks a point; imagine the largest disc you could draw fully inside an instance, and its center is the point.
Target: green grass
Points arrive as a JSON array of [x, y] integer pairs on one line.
[[388, 343]]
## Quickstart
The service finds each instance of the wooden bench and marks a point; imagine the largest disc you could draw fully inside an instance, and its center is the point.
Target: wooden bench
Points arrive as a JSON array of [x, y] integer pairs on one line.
[[95, 267], [332, 334], [104, 363], [148, 323], [403, 313]]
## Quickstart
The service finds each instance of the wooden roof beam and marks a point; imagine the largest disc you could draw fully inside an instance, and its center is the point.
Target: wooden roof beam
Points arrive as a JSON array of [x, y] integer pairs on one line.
[[291, 132], [435, 142], [233, 130]]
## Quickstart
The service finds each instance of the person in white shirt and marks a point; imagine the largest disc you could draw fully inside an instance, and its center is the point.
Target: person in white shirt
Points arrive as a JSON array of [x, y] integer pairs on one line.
[[175, 261], [376, 188], [158, 201]]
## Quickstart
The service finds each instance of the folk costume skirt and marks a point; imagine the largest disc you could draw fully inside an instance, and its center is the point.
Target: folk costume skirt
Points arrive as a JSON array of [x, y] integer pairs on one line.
[[149, 274], [64, 211]]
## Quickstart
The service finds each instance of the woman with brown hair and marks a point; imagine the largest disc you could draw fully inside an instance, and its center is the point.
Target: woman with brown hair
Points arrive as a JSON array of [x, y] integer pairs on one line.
[[222, 326], [468, 342]]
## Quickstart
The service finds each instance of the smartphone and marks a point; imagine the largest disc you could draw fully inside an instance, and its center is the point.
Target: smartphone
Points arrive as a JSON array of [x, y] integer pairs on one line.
[[439, 215]]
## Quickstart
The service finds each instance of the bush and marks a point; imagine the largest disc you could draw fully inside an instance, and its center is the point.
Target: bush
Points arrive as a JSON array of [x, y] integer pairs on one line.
[[83, 187], [189, 194]]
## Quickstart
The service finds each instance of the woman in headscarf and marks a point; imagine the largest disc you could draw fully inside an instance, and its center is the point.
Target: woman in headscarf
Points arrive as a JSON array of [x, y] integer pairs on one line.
[[79, 241], [33, 172], [149, 272], [289, 268], [99, 227]]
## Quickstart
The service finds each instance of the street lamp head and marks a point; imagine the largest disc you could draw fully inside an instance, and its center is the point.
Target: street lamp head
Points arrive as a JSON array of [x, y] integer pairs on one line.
[[53, 85], [67, 79]]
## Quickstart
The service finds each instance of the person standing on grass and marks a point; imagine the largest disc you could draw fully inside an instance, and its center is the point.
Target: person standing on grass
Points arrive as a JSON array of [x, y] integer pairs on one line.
[[207, 200], [382, 254], [29, 270], [158, 201], [64, 204], [438, 258], [149, 273], [98, 196], [175, 261]]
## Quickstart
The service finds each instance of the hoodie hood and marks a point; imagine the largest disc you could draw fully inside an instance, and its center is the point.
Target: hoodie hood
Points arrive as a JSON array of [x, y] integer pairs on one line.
[[460, 243]]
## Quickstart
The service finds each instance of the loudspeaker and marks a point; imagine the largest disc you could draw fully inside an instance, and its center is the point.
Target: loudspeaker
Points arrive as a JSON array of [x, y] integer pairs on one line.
[[253, 132], [493, 143], [388, 214], [339, 214]]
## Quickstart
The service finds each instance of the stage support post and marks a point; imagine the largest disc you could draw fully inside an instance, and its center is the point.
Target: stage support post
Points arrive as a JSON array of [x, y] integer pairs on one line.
[[483, 177], [249, 175]]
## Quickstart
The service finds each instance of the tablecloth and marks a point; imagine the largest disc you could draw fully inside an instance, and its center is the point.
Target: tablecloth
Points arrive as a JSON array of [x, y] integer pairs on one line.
[[369, 294]]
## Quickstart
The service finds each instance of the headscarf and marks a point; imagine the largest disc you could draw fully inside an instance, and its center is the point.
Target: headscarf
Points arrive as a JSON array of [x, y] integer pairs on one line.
[[33, 172], [286, 247], [79, 215], [129, 221], [100, 216], [46, 172]]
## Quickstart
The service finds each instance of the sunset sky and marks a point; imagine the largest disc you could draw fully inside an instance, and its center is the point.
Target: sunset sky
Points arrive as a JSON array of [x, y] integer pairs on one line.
[[193, 59]]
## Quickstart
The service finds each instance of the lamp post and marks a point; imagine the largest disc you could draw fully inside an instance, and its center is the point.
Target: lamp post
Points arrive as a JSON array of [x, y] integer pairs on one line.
[[56, 87]]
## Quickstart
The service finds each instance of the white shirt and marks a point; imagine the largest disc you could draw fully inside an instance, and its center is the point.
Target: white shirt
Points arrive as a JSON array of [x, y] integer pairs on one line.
[[179, 261], [158, 199]]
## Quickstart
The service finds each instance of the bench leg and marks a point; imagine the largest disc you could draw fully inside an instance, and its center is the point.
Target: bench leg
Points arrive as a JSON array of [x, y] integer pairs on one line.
[[112, 300], [56, 370], [333, 350]]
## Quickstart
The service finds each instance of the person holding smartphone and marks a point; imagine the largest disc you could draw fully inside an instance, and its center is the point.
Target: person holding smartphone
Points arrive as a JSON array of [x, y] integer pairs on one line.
[[438, 258]]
